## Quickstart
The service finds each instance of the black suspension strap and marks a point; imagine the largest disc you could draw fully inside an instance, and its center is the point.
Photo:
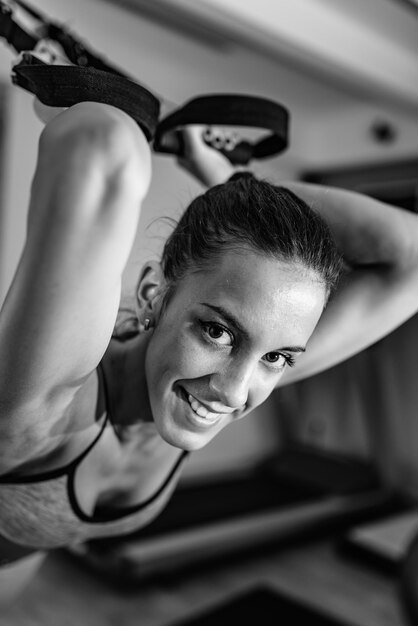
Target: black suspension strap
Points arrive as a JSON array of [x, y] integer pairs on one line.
[[85, 75], [228, 110], [65, 85], [75, 49], [14, 34]]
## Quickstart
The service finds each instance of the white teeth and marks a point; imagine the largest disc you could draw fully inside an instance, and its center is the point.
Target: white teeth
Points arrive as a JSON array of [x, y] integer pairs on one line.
[[198, 408]]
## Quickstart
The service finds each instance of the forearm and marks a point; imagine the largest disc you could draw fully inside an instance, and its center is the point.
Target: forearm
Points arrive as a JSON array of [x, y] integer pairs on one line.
[[367, 231]]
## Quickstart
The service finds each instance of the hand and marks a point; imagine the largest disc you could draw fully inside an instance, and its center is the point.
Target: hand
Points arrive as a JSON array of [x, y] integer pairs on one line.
[[206, 164]]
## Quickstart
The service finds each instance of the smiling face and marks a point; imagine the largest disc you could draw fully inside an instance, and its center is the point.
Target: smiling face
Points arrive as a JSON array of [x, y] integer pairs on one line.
[[224, 340]]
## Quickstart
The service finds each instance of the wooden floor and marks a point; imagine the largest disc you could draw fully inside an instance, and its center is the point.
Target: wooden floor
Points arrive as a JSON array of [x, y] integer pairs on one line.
[[65, 593]]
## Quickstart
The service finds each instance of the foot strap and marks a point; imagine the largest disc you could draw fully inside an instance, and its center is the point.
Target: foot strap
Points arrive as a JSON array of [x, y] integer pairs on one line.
[[89, 77]]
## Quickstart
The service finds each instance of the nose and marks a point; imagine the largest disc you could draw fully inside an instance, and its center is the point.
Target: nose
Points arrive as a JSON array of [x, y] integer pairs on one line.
[[232, 384]]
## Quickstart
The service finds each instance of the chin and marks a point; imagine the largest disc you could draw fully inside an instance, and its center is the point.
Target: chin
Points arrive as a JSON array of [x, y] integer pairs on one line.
[[181, 437]]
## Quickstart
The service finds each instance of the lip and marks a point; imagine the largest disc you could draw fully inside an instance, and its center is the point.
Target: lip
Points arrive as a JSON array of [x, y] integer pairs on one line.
[[202, 423], [208, 407]]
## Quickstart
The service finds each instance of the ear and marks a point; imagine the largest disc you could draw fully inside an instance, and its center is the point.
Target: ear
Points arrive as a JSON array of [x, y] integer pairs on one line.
[[149, 286]]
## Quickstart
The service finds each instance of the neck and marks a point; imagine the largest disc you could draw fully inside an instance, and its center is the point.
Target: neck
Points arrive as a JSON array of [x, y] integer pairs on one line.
[[124, 364]]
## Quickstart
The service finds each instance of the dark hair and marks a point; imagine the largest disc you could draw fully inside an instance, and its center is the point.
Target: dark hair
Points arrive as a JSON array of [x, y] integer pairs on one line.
[[244, 211], [247, 211]]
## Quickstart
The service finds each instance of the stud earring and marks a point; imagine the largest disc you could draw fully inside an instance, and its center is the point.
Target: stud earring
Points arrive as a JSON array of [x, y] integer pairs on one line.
[[147, 323]]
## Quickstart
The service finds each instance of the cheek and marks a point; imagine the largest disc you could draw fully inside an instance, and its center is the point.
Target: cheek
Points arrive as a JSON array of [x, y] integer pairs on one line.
[[178, 355], [262, 389]]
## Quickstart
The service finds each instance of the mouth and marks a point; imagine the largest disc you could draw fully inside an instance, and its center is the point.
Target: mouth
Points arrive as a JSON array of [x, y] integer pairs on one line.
[[200, 414], [199, 409]]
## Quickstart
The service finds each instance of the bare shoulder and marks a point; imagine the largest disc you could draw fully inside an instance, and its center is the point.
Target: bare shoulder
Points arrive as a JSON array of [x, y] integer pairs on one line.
[[91, 116], [102, 129]]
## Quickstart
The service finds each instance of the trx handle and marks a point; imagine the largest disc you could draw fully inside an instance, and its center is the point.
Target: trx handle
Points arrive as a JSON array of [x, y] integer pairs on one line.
[[89, 77], [228, 110], [65, 85], [14, 34], [75, 49]]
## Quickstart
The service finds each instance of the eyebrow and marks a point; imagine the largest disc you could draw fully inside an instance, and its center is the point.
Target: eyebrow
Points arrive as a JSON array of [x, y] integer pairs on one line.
[[232, 321]]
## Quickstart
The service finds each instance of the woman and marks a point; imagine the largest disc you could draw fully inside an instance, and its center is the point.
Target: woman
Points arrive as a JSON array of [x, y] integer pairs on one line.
[[94, 430]]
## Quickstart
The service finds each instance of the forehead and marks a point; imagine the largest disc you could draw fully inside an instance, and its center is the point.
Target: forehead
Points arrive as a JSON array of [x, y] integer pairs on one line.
[[254, 288]]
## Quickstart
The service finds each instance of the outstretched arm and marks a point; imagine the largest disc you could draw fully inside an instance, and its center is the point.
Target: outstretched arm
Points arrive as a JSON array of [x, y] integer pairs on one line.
[[379, 243], [92, 173]]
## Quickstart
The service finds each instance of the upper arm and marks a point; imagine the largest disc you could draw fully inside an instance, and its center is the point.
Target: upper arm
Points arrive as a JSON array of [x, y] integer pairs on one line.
[[369, 304], [92, 173]]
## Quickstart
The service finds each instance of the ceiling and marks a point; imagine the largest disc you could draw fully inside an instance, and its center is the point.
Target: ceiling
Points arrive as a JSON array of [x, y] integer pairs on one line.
[[345, 69], [370, 46]]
